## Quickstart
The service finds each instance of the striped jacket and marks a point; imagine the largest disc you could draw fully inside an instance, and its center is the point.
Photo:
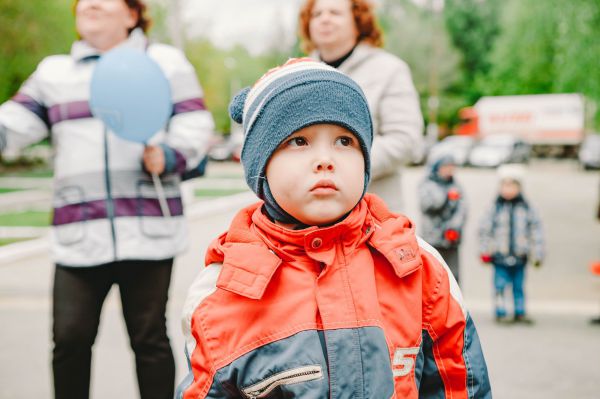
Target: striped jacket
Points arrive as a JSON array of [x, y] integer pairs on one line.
[[105, 205], [438, 213], [511, 228], [360, 309]]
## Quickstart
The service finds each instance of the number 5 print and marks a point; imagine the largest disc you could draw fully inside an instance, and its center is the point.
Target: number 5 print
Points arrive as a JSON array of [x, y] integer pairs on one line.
[[404, 361]]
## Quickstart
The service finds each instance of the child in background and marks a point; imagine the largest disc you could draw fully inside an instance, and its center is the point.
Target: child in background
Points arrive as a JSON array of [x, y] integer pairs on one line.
[[319, 291], [443, 210], [510, 236]]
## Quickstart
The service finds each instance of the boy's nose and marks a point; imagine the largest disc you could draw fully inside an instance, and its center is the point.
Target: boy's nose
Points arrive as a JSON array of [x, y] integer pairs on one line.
[[323, 164]]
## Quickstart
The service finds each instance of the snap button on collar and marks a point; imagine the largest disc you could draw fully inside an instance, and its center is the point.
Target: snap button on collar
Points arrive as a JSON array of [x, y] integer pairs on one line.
[[316, 243]]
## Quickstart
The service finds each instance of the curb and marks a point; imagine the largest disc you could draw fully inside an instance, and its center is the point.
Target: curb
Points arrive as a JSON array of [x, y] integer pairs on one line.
[[540, 307], [21, 250]]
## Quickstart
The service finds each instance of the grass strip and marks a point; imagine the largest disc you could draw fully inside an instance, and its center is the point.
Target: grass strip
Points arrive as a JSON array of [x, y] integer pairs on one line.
[[216, 192], [26, 219]]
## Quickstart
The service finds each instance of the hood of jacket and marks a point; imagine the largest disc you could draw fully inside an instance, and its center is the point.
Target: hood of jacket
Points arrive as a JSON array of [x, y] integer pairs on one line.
[[254, 247]]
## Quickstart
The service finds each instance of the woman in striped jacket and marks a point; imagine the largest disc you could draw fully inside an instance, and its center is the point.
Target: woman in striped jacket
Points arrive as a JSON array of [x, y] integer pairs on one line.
[[108, 226]]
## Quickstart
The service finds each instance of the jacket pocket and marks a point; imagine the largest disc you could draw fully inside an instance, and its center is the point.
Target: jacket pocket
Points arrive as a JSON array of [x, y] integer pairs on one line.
[[153, 223], [70, 220], [263, 388]]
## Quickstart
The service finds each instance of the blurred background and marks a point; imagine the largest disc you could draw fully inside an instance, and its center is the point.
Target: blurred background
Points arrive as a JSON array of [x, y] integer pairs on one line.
[[499, 80], [458, 50]]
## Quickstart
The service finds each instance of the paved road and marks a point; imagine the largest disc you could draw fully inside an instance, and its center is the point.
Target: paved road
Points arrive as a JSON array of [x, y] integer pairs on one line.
[[558, 357]]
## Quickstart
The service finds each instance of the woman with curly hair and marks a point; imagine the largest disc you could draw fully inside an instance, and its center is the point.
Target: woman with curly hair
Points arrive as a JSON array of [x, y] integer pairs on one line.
[[345, 35]]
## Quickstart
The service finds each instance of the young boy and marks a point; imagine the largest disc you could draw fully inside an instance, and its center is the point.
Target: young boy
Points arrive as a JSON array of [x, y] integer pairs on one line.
[[319, 291], [444, 211], [510, 235]]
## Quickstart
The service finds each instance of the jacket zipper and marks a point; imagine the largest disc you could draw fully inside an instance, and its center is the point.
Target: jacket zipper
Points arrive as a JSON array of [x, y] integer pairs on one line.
[[110, 206], [294, 376]]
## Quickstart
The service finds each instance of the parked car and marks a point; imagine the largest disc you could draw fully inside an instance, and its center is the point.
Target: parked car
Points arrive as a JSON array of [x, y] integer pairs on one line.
[[457, 146], [497, 149], [589, 152]]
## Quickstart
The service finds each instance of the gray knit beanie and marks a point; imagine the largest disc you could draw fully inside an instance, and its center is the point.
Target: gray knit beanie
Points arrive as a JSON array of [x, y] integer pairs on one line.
[[300, 93]]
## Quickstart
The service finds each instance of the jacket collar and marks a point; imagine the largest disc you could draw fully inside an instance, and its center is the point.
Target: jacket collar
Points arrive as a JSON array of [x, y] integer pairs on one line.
[[254, 247], [81, 50], [362, 52]]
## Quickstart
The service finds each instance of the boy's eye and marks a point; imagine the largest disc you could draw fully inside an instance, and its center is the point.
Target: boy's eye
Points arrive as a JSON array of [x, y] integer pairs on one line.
[[345, 141], [297, 141]]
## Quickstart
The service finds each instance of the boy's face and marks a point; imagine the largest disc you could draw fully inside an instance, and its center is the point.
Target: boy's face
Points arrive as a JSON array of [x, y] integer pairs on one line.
[[446, 171], [317, 174], [509, 189]]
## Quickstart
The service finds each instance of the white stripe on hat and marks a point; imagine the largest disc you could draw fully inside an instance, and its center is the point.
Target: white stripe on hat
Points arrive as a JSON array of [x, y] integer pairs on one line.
[[278, 73]]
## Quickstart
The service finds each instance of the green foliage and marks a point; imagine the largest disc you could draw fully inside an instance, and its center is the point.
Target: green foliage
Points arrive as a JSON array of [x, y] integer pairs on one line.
[[4, 190], [522, 58], [472, 48], [26, 218], [7, 241], [547, 47], [159, 28], [473, 26], [217, 192], [417, 36], [29, 31], [222, 73]]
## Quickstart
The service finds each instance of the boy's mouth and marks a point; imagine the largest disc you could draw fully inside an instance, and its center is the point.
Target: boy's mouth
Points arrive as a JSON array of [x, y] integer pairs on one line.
[[324, 186]]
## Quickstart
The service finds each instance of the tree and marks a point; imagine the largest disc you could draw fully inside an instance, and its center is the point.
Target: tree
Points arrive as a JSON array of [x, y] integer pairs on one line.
[[547, 47], [522, 57], [223, 72], [416, 35], [473, 26], [31, 30], [577, 51]]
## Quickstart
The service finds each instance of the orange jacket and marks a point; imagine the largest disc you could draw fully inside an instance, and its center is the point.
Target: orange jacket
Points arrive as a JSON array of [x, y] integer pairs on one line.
[[360, 309]]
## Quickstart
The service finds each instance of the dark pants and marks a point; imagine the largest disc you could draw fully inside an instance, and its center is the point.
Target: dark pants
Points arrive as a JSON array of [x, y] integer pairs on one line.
[[78, 297], [450, 255]]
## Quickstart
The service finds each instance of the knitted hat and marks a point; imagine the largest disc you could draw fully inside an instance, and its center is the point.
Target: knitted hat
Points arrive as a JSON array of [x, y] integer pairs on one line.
[[514, 172], [438, 162], [300, 93]]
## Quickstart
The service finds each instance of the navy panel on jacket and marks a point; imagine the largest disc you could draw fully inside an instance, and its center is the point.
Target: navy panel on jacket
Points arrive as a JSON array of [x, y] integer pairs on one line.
[[427, 374], [477, 380], [359, 368]]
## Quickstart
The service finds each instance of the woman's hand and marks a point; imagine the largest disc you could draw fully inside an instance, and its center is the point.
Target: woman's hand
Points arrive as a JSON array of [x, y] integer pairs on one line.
[[154, 159]]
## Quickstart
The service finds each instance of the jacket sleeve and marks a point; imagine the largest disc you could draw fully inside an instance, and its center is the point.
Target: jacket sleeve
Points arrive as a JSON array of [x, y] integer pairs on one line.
[[191, 126], [24, 118], [536, 235], [451, 362], [400, 136], [459, 216], [486, 225], [432, 198], [200, 382]]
